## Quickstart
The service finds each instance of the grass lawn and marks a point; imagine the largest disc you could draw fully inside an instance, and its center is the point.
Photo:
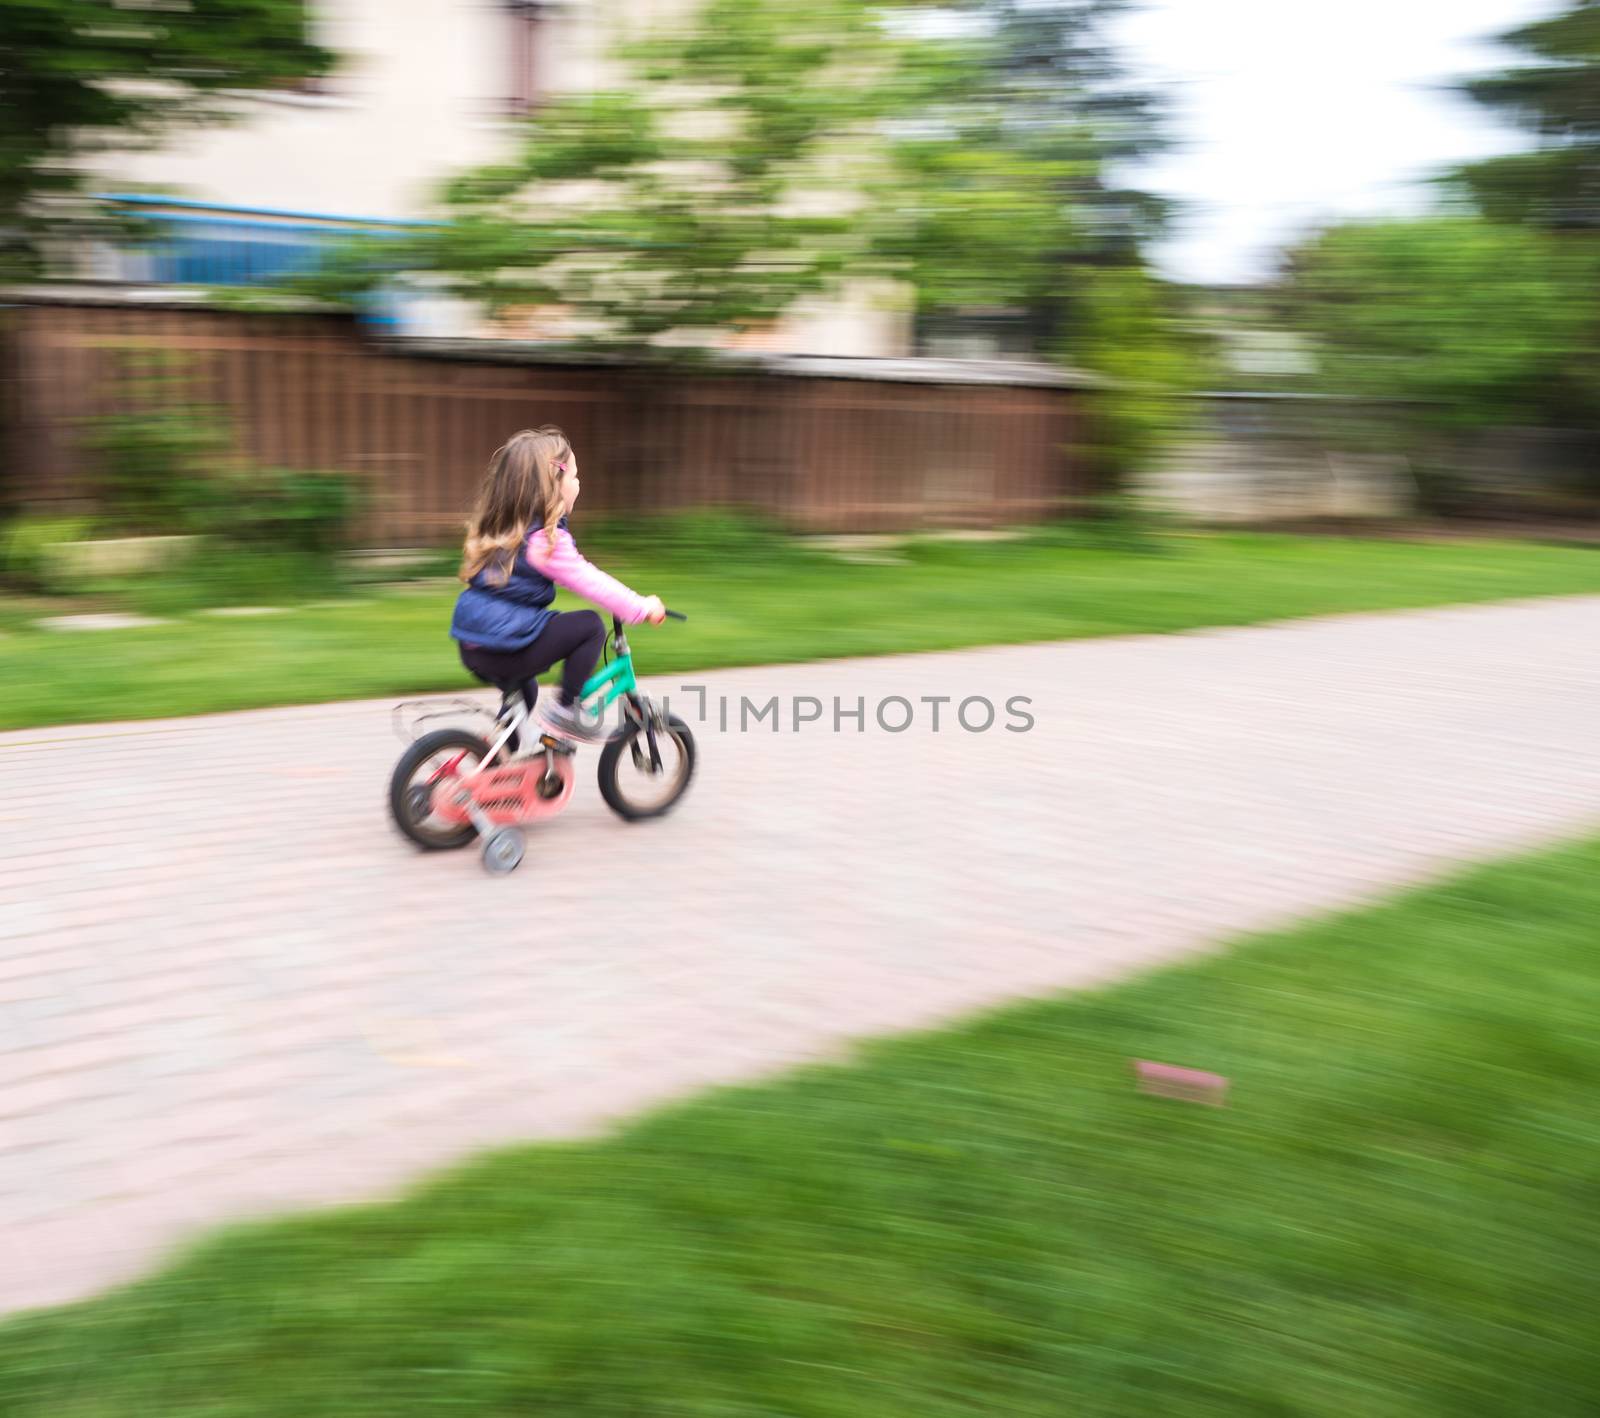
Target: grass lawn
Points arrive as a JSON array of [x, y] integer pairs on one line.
[[1397, 1216], [793, 604]]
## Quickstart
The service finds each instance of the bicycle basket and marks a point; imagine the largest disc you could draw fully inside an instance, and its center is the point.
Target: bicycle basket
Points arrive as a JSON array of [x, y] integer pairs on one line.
[[413, 718]]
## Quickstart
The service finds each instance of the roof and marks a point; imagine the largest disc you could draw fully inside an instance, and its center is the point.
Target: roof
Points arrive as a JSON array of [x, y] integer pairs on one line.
[[1012, 373], [1015, 373]]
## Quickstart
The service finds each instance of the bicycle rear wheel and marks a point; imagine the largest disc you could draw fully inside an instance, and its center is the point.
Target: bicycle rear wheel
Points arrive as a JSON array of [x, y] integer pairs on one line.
[[424, 768]]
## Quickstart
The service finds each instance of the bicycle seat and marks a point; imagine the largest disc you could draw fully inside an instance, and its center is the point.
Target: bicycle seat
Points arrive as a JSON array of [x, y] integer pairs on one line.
[[527, 690], [505, 686]]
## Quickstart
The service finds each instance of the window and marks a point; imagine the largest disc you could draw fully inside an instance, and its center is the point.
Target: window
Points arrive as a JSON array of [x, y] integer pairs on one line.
[[313, 26], [526, 23], [977, 333]]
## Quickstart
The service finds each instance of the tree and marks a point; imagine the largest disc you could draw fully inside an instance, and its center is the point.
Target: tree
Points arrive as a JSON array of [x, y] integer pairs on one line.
[[1445, 328], [718, 189], [1063, 87], [1015, 195], [770, 148], [1556, 94], [77, 75], [1469, 319], [1483, 321]]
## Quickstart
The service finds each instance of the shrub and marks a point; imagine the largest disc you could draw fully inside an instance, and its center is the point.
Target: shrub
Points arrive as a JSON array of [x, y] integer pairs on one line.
[[25, 546]]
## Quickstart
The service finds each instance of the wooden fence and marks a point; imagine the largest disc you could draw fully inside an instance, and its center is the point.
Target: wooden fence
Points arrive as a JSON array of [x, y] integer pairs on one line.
[[840, 448]]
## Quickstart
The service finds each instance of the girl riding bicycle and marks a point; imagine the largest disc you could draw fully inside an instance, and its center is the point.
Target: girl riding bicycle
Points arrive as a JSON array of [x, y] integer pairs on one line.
[[518, 550]]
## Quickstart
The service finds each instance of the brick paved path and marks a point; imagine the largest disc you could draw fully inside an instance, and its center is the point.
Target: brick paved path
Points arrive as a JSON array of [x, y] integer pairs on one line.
[[227, 987]]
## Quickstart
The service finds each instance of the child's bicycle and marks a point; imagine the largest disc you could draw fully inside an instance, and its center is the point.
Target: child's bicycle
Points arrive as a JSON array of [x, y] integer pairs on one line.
[[453, 785]]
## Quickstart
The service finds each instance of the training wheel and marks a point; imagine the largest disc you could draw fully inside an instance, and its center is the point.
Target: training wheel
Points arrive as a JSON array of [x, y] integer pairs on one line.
[[503, 851], [419, 802]]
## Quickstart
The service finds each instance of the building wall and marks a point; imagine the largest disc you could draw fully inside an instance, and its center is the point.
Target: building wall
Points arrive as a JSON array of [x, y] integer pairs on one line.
[[1263, 459], [423, 93]]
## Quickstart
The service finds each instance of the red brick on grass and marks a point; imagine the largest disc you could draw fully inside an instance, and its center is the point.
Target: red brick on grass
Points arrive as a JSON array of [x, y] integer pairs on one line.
[[1187, 1085]]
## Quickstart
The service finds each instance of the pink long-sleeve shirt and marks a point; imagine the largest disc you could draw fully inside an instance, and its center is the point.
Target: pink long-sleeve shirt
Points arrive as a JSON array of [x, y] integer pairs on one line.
[[566, 566]]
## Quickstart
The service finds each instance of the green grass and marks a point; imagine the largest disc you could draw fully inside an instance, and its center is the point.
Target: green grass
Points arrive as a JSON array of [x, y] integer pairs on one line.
[[1397, 1216], [788, 606]]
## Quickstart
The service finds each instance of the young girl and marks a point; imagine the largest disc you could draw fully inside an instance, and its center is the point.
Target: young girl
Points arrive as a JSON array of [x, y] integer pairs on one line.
[[518, 551]]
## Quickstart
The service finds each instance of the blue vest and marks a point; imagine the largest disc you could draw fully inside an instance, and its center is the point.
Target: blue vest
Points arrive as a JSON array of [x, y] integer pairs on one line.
[[504, 615]]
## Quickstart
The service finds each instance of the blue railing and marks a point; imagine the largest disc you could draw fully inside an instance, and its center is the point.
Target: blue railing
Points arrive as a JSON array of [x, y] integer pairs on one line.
[[206, 243]]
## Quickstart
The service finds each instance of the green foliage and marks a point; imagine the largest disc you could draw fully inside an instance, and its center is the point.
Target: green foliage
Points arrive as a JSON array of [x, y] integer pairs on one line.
[[1008, 173], [282, 509], [1056, 584], [723, 536], [683, 225], [168, 466], [1554, 93], [972, 221], [226, 572], [85, 74], [770, 149], [1133, 331], [1453, 323], [158, 451], [1005, 198], [1471, 322], [1125, 522], [25, 548], [1121, 522]]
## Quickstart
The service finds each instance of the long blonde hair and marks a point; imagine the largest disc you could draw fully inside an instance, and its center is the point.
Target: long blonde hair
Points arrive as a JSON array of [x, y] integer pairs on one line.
[[521, 489]]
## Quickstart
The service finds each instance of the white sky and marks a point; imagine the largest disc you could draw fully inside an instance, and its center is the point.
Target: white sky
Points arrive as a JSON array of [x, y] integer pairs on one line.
[[1293, 111]]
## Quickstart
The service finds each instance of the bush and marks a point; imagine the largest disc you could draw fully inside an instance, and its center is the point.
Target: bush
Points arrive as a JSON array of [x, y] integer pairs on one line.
[[728, 536], [1115, 521], [167, 466], [284, 509], [270, 535], [234, 573], [158, 452], [25, 549]]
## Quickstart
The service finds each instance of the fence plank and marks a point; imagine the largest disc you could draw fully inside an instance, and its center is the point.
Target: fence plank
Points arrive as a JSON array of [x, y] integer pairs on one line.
[[813, 452]]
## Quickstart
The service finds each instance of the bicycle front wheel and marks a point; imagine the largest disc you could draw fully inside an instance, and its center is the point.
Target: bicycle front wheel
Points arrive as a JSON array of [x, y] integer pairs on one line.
[[632, 788]]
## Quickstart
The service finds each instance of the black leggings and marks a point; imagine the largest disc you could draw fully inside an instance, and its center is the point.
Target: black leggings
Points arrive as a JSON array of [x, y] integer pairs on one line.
[[574, 636]]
